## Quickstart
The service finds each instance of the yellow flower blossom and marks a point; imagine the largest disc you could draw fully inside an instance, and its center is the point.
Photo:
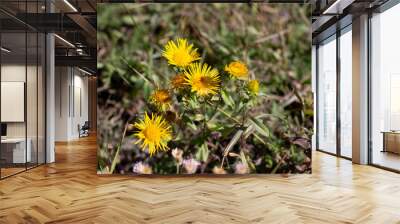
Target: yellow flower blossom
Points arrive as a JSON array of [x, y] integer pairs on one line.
[[180, 53], [178, 81], [203, 79], [161, 98], [254, 86], [238, 70], [154, 134]]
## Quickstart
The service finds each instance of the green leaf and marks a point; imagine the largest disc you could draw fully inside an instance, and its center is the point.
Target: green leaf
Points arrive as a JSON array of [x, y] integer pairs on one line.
[[259, 138], [188, 121], [227, 99], [260, 127], [192, 126], [193, 102], [228, 115], [198, 117], [269, 161], [203, 152], [233, 141], [249, 130], [136, 71], [243, 157], [240, 107]]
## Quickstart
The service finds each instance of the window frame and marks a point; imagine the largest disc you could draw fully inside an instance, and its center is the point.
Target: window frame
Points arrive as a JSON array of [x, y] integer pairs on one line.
[[339, 32]]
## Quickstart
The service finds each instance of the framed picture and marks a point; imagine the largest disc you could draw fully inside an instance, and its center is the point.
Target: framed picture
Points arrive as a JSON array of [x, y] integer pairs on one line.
[[204, 89]]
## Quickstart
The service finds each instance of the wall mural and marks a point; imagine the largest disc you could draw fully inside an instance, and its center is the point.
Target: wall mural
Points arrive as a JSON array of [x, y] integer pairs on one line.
[[204, 89]]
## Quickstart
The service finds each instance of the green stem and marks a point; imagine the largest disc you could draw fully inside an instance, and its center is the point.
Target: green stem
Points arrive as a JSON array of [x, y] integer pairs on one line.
[[204, 112], [279, 164], [116, 156], [222, 162], [215, 107], [244, 115], [138, 73], [228, 115]]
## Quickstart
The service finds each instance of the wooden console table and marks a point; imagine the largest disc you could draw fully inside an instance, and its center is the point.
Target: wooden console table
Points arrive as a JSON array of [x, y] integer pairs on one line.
[[391, 141]]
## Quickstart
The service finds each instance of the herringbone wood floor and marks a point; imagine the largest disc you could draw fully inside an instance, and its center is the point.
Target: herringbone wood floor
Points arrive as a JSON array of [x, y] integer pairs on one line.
[[69, 191]]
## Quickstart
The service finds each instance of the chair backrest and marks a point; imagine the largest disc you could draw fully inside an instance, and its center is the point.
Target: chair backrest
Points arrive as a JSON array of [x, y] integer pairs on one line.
[[86, 125]]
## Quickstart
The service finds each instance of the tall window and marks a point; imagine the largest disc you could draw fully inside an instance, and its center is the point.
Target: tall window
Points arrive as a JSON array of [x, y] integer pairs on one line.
[[385, 88], [346, 92], [327, 95]]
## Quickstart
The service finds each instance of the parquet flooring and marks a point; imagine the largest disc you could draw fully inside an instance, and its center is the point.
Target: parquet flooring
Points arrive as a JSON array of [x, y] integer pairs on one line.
[[69, 191], [10, 171]]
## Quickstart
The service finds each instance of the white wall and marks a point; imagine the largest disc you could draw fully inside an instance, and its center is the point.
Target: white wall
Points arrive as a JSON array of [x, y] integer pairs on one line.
[[80, 110], [12, 73], [16, 73], [71, 102], [13, 101], [61, 103], [33, 126]]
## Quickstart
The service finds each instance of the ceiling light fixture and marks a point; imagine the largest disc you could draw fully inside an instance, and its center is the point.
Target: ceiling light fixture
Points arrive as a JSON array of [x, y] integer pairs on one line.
[[337, 7], [80, 51], [70, 5], [84, 71], [5, 50], [64, 40]]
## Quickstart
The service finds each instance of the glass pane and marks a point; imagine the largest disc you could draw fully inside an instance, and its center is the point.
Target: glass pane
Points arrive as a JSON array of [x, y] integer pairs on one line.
[[14, 153], [327, 96], [32, 87], [41, 98], [385, 86], [346, 93], [32, 98], [22, 88]]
